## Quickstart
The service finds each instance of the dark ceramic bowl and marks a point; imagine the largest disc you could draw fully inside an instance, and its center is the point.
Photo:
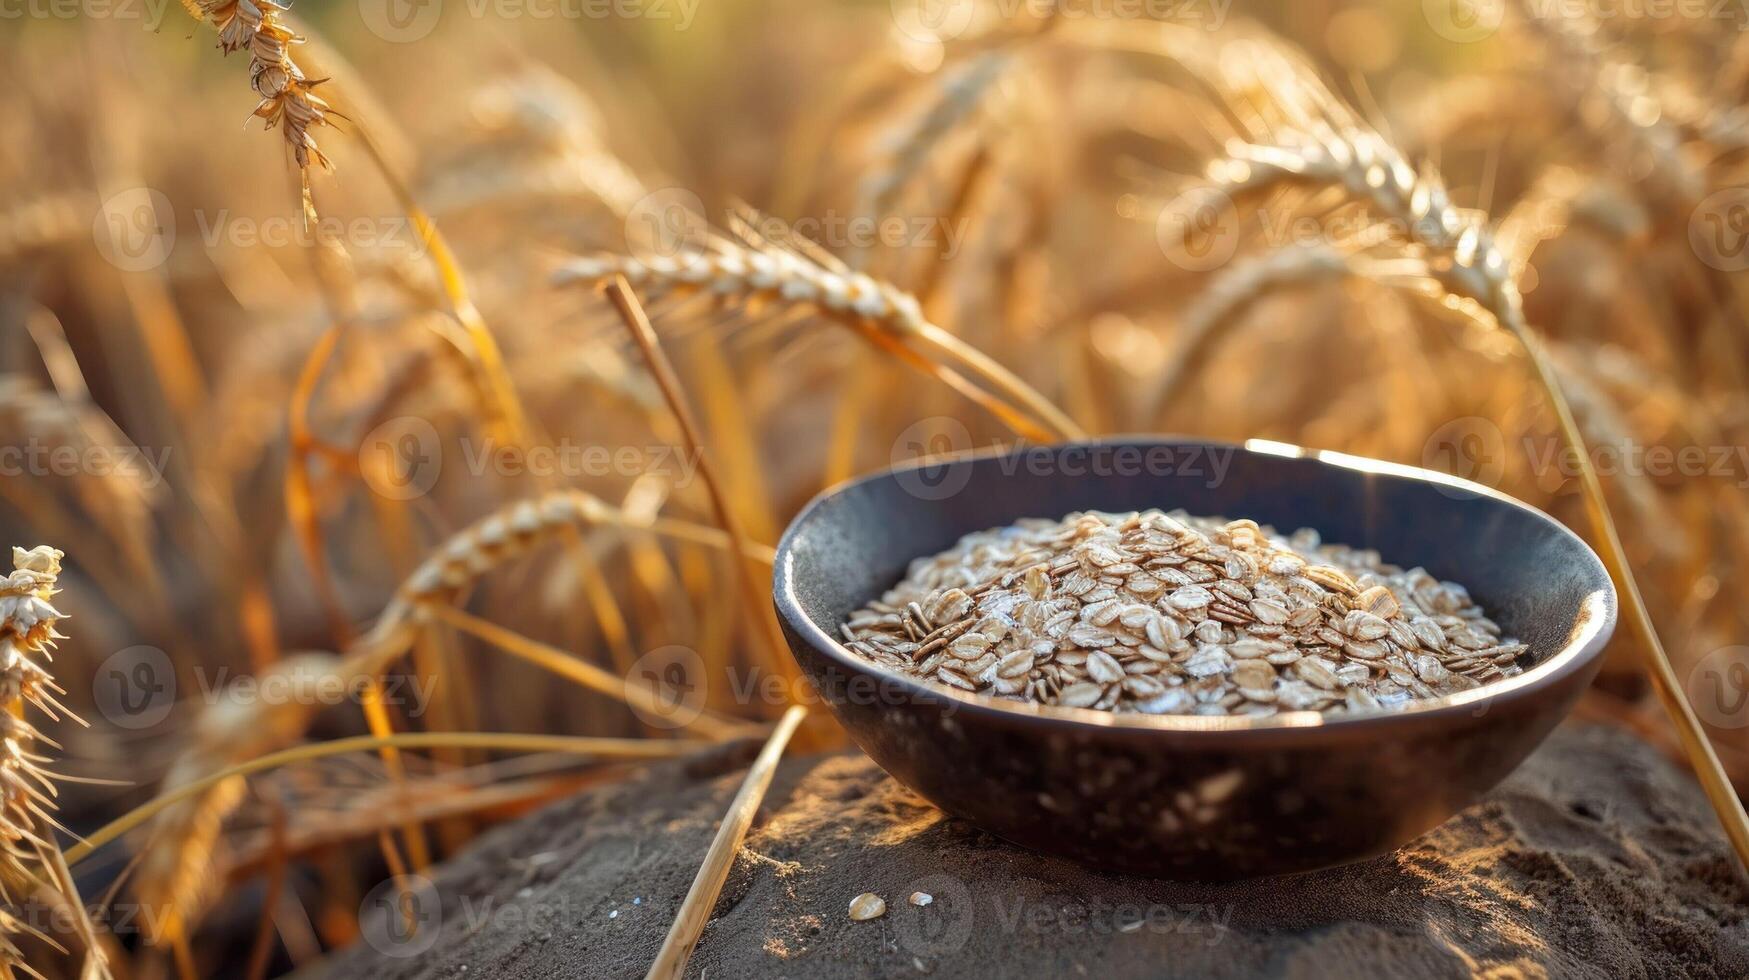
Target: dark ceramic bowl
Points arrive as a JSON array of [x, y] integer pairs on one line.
[[1183, 796]]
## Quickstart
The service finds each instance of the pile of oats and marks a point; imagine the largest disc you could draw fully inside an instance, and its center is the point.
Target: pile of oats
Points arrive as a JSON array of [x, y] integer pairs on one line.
[[1173, 614]]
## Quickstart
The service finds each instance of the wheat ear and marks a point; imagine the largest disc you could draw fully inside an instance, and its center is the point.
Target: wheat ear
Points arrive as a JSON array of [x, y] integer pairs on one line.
[[28, 849], [288, 99], [731, 269]]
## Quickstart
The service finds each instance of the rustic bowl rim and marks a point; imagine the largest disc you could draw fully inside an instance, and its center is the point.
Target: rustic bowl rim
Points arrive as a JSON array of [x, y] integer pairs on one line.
[[1591, 630]]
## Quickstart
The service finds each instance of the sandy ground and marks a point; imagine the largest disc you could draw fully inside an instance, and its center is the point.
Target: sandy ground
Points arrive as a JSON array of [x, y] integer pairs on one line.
[[1596, 858]]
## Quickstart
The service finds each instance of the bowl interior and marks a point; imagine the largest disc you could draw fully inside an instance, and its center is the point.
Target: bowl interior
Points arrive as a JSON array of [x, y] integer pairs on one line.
[[1540, 582]]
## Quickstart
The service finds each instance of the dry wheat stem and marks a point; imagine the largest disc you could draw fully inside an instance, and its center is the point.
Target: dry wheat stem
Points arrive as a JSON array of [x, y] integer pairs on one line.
[[690, 920], [600, 748], [506, 406], [1335, 150], [1701, 756], [304, 513], [731, 269], [121, 501], [747, 574], [636, 695]]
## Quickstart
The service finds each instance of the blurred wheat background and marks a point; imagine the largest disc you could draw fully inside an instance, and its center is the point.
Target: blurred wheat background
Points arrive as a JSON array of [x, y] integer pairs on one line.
[[320, 474]]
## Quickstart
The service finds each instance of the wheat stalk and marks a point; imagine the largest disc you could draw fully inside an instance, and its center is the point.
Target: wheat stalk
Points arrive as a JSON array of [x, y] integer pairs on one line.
[[120, 498], [28, 848], [747, 575], [695, 909], [516, 529]]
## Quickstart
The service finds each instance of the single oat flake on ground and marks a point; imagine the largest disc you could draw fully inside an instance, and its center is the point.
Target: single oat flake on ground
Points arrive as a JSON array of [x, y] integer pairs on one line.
[[1165, 613]]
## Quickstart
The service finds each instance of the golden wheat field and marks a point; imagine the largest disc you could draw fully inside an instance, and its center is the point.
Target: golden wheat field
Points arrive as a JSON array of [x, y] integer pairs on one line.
[[400, 400]]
